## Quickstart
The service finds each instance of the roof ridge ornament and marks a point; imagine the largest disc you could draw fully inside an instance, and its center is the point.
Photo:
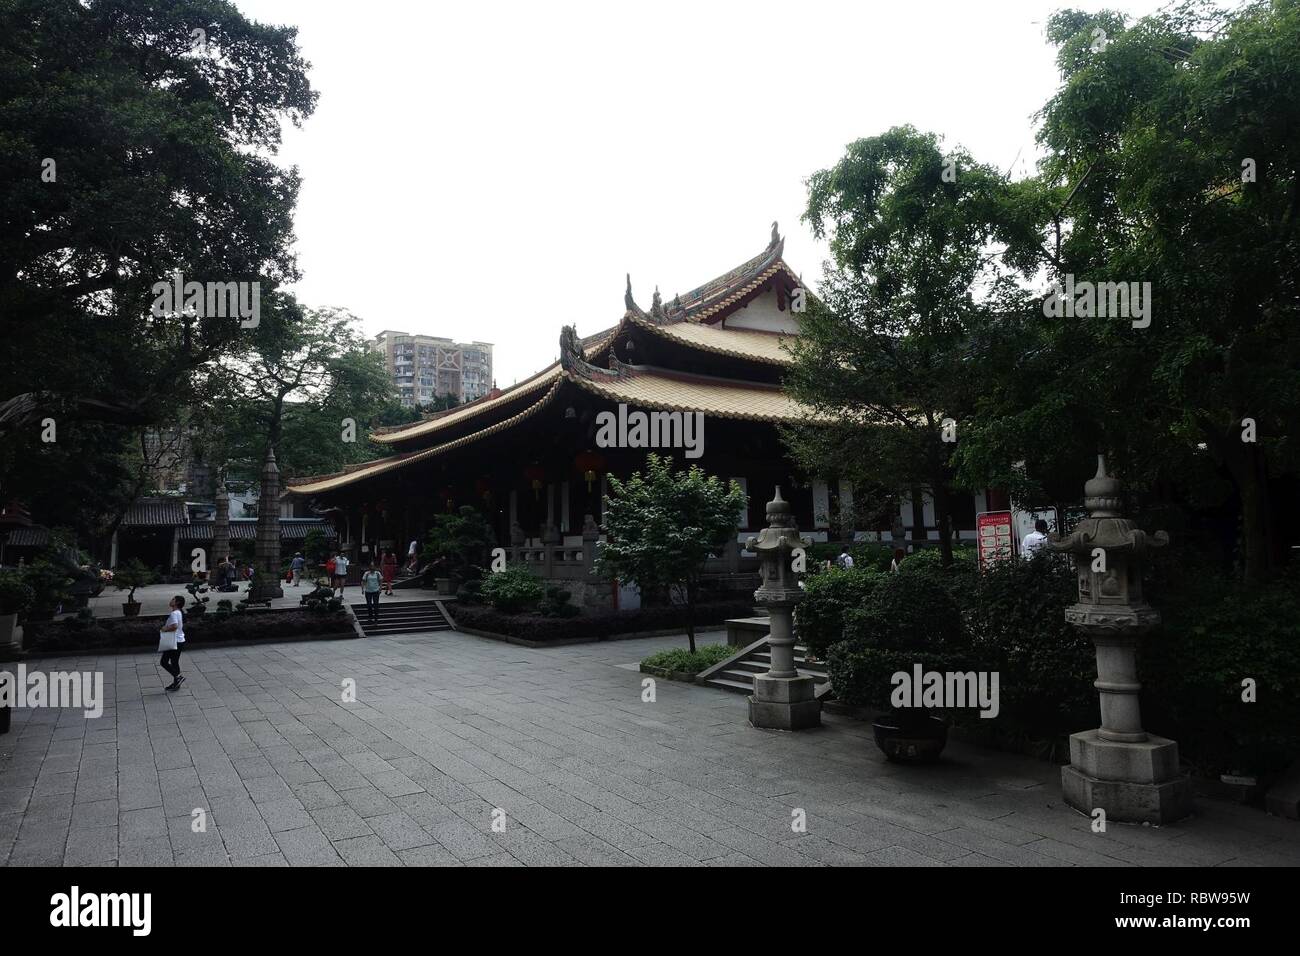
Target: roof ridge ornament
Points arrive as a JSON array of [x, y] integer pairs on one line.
[[570, 347], [657, 308]]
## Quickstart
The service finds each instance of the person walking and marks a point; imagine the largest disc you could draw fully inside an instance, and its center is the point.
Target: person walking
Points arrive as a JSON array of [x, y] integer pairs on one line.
[[389, 566], [1034, 541], [329, 571], [296, 566], [412, 557], [341, 572], [171, 641], [371, 582]]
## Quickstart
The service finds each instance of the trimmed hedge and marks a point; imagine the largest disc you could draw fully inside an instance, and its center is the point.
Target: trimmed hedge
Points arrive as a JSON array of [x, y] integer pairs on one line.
[[141, 633], [681, 661], [597, 626], [1010, 619]]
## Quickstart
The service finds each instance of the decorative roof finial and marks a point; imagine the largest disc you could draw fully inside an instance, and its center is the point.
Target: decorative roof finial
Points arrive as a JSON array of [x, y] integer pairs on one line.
[[570, 348], [657, 307], [776, 236], [627, 296]]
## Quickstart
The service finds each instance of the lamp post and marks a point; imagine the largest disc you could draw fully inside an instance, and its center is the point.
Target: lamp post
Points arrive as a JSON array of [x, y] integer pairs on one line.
[[782, 699], [1120, 768]]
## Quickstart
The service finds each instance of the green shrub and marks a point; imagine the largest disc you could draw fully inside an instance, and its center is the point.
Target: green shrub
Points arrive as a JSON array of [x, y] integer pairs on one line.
[[512, 590], [861, 674], [1016, 621], [49, 584], [1216, 634], [597, 625], [16, 595], [680, 660], [827, 598], [556, 603], [866, 555]]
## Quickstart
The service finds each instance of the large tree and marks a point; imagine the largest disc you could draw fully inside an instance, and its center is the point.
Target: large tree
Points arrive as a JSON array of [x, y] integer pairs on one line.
[[309, 388], [1173, 153], [885, 356], [136, 138]]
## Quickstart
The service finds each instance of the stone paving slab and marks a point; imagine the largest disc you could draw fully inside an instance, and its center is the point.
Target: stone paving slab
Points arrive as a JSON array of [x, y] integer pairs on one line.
[[461, 751]]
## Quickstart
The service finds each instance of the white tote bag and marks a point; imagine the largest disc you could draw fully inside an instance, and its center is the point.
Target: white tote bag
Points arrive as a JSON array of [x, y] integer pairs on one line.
[[166, 641]]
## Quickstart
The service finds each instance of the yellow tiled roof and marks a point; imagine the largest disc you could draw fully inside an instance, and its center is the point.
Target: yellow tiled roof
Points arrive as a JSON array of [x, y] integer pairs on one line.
[[546, 377], [655, 389], [312, 486], [766, 347]]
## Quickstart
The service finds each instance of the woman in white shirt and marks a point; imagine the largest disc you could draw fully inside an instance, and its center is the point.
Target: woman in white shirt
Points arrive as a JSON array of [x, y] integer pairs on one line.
[[171, 641]]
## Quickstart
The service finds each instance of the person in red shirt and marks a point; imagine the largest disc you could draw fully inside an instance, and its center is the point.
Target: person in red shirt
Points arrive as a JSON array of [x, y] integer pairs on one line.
[[329, 570], [389, 567]]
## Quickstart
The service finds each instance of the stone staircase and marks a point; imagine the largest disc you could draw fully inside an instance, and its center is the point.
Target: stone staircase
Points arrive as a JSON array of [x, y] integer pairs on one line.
[[402, 617], [736, 673]]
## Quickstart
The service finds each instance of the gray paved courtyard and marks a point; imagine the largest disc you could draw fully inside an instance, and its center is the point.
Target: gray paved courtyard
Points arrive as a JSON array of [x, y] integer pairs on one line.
[[448, 728]]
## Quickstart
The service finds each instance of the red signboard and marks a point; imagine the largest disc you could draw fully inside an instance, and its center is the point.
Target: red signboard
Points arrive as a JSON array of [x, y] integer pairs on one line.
[[994, 537]]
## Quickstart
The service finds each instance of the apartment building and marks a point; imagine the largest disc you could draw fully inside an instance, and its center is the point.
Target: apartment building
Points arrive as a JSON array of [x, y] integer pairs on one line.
[[425, 367]]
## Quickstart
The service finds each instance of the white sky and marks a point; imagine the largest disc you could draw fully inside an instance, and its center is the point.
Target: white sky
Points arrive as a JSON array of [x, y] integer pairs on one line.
[[490, 170]]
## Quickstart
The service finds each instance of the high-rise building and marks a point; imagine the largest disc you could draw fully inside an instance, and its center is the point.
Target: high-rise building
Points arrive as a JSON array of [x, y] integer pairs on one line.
[[426, 367]]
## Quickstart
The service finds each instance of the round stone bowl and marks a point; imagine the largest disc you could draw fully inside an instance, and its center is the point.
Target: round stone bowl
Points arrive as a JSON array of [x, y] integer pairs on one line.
[[910, 737]]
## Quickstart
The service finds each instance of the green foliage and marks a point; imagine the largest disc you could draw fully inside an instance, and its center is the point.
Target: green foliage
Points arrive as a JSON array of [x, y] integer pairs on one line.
[[828, 597], [865, 554], [663, 525], [131, 575], [512, 590], [1216, 636], [1017, 625], [596, 625], [861, 673], [49, 583], [683, 661], [164, 162], [556, 603], [462, 538], [16, 595], [315, 547], [884, 354]]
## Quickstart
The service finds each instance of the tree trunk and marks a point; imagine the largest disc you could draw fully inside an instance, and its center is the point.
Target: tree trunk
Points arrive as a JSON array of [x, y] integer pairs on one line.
[[918, 519], [1245, 463], [690, 615], [943, 518], [1251, 477]]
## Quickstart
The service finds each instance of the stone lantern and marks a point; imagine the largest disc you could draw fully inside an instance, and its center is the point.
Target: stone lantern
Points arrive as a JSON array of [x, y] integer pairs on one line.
[[1134, 776], [782, 699]]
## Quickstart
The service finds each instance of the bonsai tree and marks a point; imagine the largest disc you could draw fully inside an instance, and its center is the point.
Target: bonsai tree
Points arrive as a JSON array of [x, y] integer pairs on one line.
[[195, 588], [131, 575], [664, 525], [461, 539]]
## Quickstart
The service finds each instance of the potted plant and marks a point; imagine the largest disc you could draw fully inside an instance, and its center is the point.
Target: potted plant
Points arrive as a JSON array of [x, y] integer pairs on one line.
[[903, 621], [131, 575], [49, 583], [16, 598]]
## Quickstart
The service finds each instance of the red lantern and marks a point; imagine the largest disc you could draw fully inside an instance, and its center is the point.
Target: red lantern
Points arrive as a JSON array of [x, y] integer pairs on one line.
[[590, 464], [484, 489], [449, 493], [536, 475]]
